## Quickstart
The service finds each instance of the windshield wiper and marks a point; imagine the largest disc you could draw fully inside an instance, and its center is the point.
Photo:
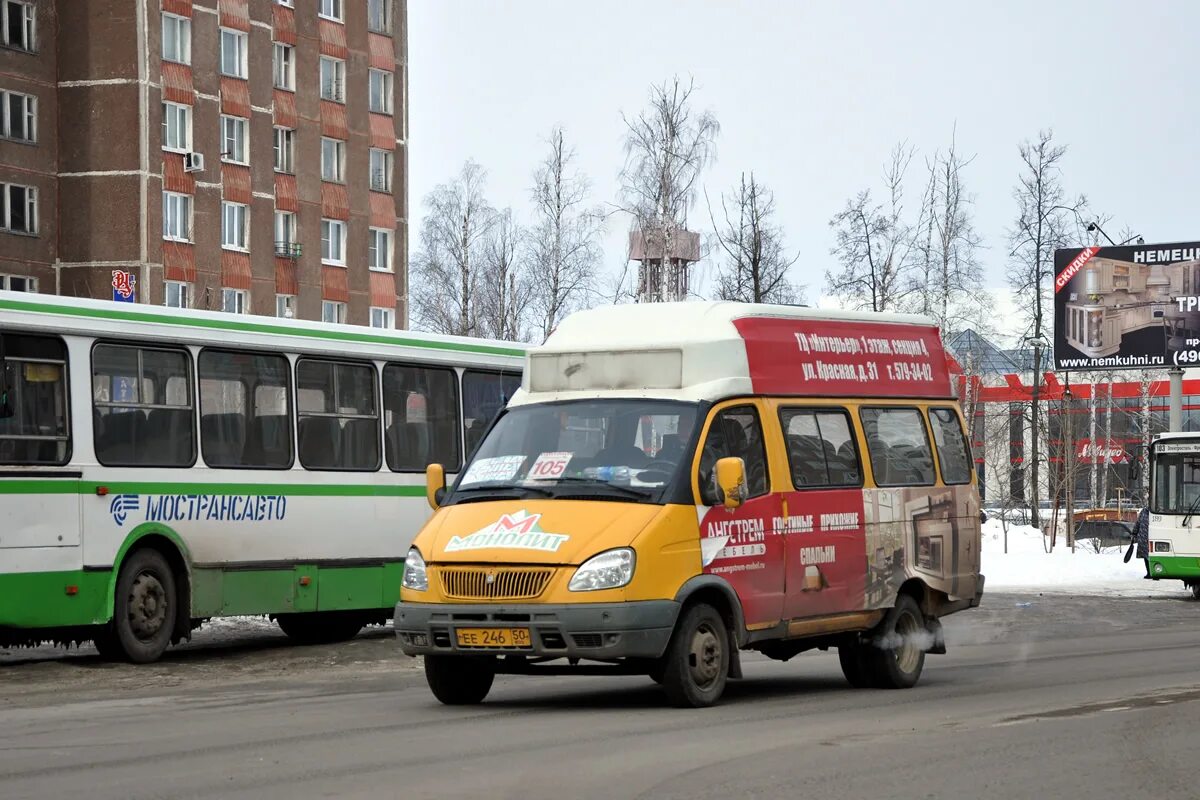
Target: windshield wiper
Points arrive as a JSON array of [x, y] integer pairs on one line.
[[631, 491], [1191, 510], [509, 490]]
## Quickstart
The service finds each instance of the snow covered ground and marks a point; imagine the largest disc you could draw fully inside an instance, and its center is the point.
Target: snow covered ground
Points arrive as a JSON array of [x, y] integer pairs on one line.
[[1027, 566]]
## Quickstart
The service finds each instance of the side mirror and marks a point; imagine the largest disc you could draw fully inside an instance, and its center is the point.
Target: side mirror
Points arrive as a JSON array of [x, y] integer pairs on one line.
[[731, 480], [435, 485]]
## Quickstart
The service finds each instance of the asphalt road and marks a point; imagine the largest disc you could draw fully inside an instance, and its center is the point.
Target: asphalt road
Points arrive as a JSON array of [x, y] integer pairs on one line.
[[1039, 696]]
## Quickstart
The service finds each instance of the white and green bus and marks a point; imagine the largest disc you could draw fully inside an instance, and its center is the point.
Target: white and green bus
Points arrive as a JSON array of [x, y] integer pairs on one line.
[[161, 467], [1174, 546]]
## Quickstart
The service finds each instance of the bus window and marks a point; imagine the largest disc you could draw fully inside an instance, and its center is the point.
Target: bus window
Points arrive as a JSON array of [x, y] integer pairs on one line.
[[951, 446], [33, 394], [142, 407], [899, 446], [245, 410], [821, 450], [420, 412], [484, 395], [735, 433], [338, 416]]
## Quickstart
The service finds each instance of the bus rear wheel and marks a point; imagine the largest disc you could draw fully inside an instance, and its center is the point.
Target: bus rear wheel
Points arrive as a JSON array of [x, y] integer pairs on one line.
[[896, 654], [144, 610], [460, 680], [323, 627]]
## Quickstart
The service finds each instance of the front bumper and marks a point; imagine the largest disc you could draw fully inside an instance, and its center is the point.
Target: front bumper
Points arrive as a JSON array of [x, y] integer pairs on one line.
[[602, 631]]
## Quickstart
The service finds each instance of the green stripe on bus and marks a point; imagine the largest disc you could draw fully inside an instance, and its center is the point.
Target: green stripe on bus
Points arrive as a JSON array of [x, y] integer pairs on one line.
[[1175, 566], [53, 599], [33, 486], [255, 327]]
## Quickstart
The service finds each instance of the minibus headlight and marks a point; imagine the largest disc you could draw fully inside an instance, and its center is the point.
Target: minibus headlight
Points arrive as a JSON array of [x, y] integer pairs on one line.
[[611, 569], [415, 577]]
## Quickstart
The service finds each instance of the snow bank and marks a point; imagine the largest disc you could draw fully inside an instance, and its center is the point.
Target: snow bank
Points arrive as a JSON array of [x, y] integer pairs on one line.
[[1028, 567]]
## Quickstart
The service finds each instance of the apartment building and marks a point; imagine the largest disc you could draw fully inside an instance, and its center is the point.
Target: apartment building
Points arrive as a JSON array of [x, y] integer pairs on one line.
[[237, 155]]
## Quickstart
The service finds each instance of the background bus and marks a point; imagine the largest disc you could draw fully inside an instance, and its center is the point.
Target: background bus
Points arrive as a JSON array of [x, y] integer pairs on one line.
[[162, 467], [1174, 547]]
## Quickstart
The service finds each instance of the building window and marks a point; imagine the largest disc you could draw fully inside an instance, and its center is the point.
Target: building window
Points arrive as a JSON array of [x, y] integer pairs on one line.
[[333, 160], [234, 301], [381, 91], [233, 139], [18, 24], [332, 311], [331, 9], [178, 295], [177, 127], [285, 67], [285, 235], [379, 16], [233, 225], [285, 150], [176, 39], [287, 3], [233, 53], [333, 242], [18, 208], [177, 217], [381, 170], [285, 306], [379, 250], [18, 116], [333, 79], [383, 317], [18, 283]]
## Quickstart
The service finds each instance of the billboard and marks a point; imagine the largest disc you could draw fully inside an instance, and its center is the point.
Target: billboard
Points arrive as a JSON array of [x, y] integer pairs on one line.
[[1127, 307]]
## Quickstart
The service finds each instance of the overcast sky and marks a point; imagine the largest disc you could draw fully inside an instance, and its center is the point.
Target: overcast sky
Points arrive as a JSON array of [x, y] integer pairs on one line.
[[812, 96]]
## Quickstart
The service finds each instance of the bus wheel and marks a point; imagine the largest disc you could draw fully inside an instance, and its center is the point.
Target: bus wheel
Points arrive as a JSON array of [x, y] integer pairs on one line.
[[460, 680], [855, 665], [320, 627], [897, 655], [696, 664], [143, 610]]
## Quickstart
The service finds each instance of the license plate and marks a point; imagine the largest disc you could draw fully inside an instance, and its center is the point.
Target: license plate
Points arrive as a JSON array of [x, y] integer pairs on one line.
[[494, 637]]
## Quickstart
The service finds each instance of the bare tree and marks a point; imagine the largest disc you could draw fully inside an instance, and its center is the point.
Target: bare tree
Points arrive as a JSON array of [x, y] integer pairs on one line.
[[1046, 220], [756, 264], [667, 146], [874, 244], [505, 288], [447, 267], [947, 279], [563, 246]]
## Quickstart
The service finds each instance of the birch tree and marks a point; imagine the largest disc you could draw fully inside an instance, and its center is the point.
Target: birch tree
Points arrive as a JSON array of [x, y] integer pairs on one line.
[[874, 244], [755, 263], [505, 288], [667, 147], [1046, 219], [563, 249], [448, 265]]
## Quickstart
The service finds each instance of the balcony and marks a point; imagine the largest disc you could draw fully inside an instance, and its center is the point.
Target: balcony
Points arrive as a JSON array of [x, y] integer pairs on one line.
[[287, 250]]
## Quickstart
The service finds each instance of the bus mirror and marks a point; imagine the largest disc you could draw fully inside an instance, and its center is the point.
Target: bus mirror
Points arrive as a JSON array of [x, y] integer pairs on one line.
[[435, 485], [731, 480]]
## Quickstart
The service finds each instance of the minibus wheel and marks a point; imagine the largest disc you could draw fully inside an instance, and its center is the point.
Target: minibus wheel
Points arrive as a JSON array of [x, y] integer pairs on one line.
[[460, 680], [143, 610], [696, 664], [896, 654]]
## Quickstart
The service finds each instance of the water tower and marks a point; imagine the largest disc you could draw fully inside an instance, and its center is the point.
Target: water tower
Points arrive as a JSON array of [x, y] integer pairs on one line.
[[663, 279]]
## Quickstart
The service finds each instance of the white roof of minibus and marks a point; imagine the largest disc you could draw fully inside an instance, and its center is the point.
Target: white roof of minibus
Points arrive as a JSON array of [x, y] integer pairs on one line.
[[105, 318], [712, 351]]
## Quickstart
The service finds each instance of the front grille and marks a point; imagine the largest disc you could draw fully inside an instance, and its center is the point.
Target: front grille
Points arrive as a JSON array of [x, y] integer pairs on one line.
[[587, 639], [494, 583]]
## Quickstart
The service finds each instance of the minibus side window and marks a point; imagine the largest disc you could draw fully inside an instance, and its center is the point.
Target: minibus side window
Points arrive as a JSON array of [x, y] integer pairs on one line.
[[735, 433], [821, 450], [899, 446], [953, 457]]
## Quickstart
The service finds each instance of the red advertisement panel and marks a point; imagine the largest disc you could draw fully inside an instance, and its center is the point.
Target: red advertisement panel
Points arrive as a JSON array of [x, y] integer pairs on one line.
[[839, 358], [826, 561], [744, 547]]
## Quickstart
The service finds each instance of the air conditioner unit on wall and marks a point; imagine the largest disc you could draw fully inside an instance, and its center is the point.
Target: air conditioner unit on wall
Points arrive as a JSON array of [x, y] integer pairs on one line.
[[193, 162]]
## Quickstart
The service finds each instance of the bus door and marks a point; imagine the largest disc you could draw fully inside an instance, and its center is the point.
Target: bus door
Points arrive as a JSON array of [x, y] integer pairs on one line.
[[826, 568]]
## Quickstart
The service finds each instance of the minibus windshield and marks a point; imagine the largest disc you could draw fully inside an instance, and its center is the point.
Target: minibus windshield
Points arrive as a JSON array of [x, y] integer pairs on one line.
[[618, 449], [1176, 483]]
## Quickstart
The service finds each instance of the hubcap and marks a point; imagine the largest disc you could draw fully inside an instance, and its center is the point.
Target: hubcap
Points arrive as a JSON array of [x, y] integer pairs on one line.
[[908, 652], [147, 606], [706, 653]]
